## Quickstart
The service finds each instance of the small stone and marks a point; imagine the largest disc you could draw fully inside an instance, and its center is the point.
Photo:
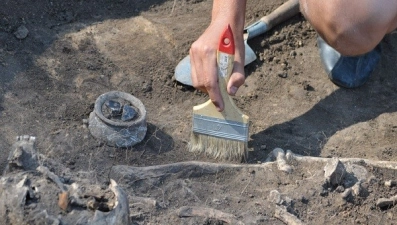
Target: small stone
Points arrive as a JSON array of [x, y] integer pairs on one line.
[[373, 180], [63, 200], [386, 202], [307, 87], [216, 201], [128, 113], [324, 193], [147, 87], [282, 74], [31, 206], [357, 189], [300, 44], [334, 172], [21, 33], [390, 183], [304, 200], [340, 189], [263, 147], [114, 107], [275, 197], [346, 193], [263, 43]]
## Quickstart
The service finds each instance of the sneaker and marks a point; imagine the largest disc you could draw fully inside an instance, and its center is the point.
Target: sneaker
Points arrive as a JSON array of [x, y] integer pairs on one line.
[[348, 71]]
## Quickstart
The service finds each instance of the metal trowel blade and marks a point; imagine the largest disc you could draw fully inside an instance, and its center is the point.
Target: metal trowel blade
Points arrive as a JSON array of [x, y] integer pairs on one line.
[[182, 70]]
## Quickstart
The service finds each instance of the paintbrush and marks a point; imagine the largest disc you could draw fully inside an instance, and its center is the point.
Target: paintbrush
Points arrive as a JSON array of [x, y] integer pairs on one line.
[[222, 135]]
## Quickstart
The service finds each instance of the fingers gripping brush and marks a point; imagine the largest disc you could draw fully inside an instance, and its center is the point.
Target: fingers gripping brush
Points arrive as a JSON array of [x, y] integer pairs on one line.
[[222, 135]]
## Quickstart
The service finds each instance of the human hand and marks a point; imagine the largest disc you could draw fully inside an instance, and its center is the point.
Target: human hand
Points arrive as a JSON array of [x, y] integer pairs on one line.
[[203, 52], [204, 69]]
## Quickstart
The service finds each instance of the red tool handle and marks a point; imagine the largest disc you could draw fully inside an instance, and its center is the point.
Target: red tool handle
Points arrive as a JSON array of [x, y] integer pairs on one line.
[[226, 43]]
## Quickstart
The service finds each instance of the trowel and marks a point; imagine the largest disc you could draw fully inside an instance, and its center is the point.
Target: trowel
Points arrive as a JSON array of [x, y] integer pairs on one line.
[[279, 15]]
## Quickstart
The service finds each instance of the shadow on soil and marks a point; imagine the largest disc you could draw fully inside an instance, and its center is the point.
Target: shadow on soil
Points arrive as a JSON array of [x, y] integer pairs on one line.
[[377, 96], [156, 141]]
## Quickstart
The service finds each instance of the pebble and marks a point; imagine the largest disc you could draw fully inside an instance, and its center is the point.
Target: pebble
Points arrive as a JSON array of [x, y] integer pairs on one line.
[[275, 197], [346, 193], [324, 193], [128, 113], [21, 33], [282, 74], [63, 200], [340, 189], [357, 189], [216, 201], [334, 171], [147, 87], [114, 107], [300, 43], [390, 183]]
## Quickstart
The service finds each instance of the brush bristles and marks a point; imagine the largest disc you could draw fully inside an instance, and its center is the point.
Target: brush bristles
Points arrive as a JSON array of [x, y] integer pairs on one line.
[[218, 148]]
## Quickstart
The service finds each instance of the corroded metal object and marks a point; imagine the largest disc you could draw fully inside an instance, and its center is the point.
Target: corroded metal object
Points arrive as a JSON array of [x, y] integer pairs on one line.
[[118, 133]]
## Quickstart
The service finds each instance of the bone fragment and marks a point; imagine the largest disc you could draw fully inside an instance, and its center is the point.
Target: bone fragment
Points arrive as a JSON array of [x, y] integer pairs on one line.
[[147, 201], [122, 172], [357, 189], [281, 160], [288, 218], [381, 164], [193, 211], [52, 176], [119, 215], [74, 196], [346, 193], [275, 197], [334, 171], [387, 202], [23, 156]]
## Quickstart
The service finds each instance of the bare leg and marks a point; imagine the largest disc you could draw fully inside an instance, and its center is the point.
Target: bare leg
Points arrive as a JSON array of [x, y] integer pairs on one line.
[[352, 27]]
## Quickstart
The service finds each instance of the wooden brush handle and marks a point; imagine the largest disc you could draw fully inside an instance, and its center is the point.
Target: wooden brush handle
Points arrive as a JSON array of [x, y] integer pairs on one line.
[[225, 62]]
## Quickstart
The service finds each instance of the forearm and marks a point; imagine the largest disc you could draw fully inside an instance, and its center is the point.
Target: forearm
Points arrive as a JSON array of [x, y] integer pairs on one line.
[[231, 12], [203, 50]]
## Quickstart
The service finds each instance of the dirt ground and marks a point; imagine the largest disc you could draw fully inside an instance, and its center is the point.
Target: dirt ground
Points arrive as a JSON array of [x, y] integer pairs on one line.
[[78, 50]]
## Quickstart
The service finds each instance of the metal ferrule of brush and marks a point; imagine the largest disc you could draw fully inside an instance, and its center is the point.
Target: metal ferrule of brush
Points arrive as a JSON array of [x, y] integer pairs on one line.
[[220, 128]]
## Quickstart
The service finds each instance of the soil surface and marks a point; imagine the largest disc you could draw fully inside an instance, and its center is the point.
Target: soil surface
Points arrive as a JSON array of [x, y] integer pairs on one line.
[[75, 51]]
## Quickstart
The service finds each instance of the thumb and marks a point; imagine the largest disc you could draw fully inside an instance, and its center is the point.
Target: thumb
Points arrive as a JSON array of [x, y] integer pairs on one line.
[[236, 80]]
